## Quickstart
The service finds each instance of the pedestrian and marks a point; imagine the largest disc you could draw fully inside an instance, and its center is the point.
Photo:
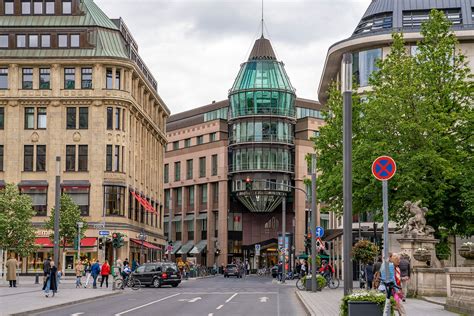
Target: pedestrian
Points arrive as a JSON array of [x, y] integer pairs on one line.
[[134, 264], [398, 293], [405, 274], [12, 265], [126, 262], [104, 272], [46, 266], [298, 267], [79, 271], [95, 271], [280, 271], [369, 273], [304, 267], [51, 280], [376, 270], [87, 269]]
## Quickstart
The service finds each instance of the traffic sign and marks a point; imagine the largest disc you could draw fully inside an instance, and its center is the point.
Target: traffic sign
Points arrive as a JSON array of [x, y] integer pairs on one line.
[[104, 233], [320, 244], [257, 249], [383, 168], [319, 232]]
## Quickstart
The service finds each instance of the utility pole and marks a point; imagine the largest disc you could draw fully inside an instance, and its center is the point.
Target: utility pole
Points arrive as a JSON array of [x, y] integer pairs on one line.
[[314, 220], [347, 165], [283, 228], [57, 209]]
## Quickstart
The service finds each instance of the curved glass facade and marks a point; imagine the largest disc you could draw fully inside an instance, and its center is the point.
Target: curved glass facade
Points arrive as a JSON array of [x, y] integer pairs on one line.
[[262, 131], [265, 159], [262, 103], [364, 64]]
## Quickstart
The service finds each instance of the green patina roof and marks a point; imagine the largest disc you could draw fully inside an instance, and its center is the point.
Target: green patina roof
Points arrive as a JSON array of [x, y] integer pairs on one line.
[[93, 16]]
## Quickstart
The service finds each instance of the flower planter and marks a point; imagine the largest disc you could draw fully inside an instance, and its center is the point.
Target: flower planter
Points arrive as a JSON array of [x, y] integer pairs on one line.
[[422, 255], [466, 252], [357, 308]]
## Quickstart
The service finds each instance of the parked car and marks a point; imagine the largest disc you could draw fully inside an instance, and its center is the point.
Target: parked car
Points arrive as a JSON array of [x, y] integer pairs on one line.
[[157, 274], [232, 270]]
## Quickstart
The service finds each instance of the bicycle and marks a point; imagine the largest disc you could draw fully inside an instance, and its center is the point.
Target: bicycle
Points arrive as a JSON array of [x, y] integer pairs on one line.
[[331, 282], [301, 283], [132, 282]]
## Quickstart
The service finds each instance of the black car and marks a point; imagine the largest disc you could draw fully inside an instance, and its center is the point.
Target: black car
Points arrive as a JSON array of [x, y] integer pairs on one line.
[[157, 274], [232, 270]]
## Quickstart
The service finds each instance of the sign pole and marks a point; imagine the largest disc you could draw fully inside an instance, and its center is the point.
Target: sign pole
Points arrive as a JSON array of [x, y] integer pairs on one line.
[[314, 223], [385, 236], [283, 227]]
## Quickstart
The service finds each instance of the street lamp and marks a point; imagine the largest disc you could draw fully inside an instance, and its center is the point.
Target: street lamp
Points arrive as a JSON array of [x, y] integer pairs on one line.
[[142, 236], [79, 226]]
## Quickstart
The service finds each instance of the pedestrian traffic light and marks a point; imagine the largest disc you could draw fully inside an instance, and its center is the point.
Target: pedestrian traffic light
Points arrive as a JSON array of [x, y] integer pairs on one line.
[[248, 184]]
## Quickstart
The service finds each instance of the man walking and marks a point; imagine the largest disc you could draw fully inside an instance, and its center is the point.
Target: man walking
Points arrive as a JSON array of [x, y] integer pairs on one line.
[[95, 270], [404, 274], [12, 265], [46, 268]]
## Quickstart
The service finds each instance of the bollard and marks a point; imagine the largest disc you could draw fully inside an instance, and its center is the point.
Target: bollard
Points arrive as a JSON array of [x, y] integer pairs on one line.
[[36, 278]]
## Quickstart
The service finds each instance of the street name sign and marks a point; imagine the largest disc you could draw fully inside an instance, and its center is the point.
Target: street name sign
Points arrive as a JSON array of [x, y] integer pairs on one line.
[[104, 232]]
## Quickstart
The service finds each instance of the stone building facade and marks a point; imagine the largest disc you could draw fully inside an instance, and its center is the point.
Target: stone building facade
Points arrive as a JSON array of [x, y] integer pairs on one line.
[[73, 85]]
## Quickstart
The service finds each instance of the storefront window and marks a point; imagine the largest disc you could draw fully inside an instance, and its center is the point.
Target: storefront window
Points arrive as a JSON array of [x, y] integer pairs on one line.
[[80, 196], [262, 159]]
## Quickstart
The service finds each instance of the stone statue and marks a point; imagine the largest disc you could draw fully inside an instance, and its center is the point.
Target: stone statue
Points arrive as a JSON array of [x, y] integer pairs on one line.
[[416, 225]]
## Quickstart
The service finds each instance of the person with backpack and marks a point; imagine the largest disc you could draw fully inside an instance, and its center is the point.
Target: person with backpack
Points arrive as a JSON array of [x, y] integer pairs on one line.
[[376, 271]]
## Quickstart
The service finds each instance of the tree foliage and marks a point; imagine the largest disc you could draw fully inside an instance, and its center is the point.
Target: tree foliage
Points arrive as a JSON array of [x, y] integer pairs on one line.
[[419, 111], [70, 215], [365, 251], [16, 232]]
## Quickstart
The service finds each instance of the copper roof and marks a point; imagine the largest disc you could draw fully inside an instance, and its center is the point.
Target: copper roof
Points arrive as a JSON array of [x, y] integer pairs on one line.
[[262, 49]]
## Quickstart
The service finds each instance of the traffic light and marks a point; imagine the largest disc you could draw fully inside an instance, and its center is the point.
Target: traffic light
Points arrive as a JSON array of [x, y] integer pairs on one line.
[[307, 241], [248, 184], [117, 240], [101, 243], [218, 252]]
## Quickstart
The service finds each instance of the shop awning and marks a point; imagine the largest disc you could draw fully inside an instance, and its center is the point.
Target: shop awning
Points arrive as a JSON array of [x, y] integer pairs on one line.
[[176, 219], [75, 184], [200, 246], [144, 202], [202, 216], [45, 242], [176, 246], [88, 242], [189, 217], [186, 248], [145, 244]]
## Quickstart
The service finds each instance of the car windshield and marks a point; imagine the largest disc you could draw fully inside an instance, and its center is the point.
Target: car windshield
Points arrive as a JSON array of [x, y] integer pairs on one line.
[[230, 266]]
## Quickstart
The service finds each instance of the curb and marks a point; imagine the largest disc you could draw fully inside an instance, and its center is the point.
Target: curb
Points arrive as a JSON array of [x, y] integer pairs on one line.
[[306, 306], [427, 299], [42, 309]]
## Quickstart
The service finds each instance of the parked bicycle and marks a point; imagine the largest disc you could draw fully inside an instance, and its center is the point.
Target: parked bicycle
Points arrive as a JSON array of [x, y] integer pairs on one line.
[[131, 282]]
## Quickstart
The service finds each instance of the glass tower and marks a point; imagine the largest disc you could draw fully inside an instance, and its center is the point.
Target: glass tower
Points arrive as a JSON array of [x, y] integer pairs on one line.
[[261, 127]]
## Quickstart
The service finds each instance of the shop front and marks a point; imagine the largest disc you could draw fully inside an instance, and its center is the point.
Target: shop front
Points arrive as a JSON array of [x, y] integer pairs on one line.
[[143, 251]]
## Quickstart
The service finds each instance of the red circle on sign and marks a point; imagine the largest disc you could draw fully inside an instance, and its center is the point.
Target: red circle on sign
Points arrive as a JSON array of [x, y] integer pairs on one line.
[[383, 168]]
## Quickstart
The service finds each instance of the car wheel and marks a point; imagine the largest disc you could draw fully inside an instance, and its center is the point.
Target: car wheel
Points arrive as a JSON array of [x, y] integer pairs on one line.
[[174, 285], [156, 283]]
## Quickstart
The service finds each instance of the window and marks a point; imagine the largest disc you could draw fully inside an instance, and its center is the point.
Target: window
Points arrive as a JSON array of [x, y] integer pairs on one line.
[[214, 165], [67, 7], [191, 197], [179, 197], [213, 137], [189, 169], [29, 118], [69, 78], [175, 145], [83, 158], [44, 78], [117, 118], [33, 41], [80, 196], [9, 7], [46, 40], [190, 225], [2, 117], [28, 158], [365, 64], [110, 114], [108, 78], [114, 200], [166, 173], [62, 40], [83, 118], [25, 7], [117, 79], [86, 78], [1, 157], [203, 191], [117, 158], [3, 41], [70, 157], [38, 7], [41, 118], [187, 142], [202, 167], [3, 78], [27, 78], [200, 140], [49, 6], [21, 41], [75, 40], [374, 23], [40, 157], [108, 158], [71, 118], [39, 199], [177, 171]]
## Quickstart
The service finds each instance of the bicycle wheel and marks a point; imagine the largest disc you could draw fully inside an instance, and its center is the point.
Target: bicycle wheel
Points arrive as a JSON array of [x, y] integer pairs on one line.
[[135, 284], [300, 284], [333, 283], [118, 283]]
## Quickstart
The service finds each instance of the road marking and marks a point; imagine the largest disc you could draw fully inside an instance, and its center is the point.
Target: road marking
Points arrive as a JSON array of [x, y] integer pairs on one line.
[[148, 304], [219, 307], [77, 314], [210, 314], [263, 299], [230, 298], [194, 299]]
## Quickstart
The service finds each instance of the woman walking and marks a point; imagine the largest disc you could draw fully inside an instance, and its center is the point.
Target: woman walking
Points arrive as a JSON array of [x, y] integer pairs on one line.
[[51, 281], [87, 269], [79, 270], [104, 272]]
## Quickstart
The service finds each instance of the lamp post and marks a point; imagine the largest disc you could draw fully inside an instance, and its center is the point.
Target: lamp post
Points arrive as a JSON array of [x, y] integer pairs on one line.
[[57, 207], [314, 222], [142, 236], [79, 226]]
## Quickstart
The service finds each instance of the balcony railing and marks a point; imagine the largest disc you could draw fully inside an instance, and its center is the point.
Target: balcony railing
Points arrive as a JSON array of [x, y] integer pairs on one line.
[[234, 113], [274, 167], [268, 138]]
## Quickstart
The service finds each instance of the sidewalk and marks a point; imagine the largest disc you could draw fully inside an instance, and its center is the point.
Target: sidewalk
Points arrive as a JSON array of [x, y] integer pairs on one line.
[[327, 302], [13, 300]]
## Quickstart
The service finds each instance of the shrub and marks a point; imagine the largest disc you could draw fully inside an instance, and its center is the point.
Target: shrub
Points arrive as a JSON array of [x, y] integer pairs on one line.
[[365, 296]]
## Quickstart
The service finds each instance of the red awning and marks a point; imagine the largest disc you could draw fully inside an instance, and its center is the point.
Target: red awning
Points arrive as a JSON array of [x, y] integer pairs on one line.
[[145, 244], [148, 207], [88, 242], [44, 242]]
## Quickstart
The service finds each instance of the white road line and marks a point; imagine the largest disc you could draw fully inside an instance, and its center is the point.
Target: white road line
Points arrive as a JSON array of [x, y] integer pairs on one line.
[[230, 298], [228, 293], [77, 314], [144, 305], [210, 314], [219, 307]]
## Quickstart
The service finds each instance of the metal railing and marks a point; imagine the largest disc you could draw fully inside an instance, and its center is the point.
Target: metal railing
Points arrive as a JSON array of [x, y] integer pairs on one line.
[[234, 113], [272, 167], [270, 138]]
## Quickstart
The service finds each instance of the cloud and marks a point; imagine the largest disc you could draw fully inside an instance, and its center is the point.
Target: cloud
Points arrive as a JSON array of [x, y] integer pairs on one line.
[[194, 48]]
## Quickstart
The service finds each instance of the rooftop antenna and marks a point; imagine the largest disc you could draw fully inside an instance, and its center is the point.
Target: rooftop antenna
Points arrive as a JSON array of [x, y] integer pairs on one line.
[[262, 18]]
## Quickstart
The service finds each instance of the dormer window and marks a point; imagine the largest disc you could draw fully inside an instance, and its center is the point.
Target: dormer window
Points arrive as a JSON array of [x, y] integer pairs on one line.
[[67, 6], [25, 7], [75, 40], [9, 7]]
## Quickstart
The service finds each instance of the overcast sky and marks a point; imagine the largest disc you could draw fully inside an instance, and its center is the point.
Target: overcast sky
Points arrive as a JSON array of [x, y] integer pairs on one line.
[[194, 48]]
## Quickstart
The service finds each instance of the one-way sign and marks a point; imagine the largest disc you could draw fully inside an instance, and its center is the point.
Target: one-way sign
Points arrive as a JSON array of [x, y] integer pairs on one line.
[[104, 233]]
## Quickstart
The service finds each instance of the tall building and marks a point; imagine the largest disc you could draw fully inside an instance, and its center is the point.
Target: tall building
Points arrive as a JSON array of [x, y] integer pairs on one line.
[[73, 85], [230, 165], [371, 41]]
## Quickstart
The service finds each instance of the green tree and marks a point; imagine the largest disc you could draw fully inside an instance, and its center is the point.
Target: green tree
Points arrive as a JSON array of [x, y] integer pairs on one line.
[[16, 232], [419, 111], [70, 215]]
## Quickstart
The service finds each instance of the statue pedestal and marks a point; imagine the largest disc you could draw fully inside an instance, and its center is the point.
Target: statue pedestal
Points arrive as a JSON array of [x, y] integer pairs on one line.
[[409, 245]]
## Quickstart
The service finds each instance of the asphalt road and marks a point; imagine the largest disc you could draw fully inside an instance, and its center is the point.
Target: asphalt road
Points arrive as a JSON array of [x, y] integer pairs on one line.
[[252, 295]]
